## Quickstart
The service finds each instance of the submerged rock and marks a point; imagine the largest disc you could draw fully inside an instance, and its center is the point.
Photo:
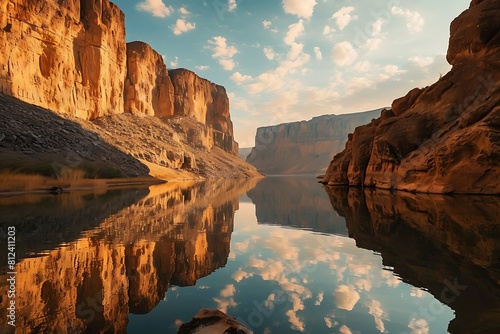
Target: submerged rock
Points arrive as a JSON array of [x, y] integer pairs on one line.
[[213, 322]]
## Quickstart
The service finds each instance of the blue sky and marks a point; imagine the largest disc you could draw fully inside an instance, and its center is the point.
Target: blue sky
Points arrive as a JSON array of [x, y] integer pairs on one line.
[[290, 60]]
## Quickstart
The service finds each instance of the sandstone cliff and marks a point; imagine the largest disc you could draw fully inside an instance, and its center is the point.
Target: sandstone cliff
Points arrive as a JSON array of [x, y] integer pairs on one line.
[[71, 58], [444, 138], [304, 147]]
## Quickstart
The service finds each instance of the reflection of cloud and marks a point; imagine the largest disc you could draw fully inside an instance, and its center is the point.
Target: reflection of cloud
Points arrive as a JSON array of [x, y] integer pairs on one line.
[[375, 309], [319, 298], [329, 322], [391, 280], [417, 293], [346, 297], [226, 299], [240, 274], [418, 326], [363, 284], [296, 323], [241, 247], [345, 330]]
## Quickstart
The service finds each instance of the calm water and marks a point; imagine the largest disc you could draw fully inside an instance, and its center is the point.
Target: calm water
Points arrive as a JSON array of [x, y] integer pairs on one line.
[[282, 255]]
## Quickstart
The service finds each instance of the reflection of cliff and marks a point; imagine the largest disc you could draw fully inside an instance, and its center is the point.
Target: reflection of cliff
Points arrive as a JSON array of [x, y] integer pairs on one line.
[[448, 245], [175, 235], [295, 202]]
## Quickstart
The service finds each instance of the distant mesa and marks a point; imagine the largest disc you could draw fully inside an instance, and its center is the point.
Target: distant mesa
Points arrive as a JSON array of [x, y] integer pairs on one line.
[[444, 138], [304, 147]]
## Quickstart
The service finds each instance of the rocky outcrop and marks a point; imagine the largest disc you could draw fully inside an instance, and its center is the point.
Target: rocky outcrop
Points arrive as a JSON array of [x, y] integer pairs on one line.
[[71, 57], [206, 102], [148, 88], [447, 245], [304, 147], [213, 322], [444, 138], [68, 56]]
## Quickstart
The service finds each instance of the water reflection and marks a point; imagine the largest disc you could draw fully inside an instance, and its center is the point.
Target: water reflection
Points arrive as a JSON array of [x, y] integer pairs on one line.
[[448, 245], [122, 251], [146, 260]]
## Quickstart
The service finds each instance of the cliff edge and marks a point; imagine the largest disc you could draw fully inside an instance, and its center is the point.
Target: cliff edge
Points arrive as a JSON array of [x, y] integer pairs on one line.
[[444, 138]]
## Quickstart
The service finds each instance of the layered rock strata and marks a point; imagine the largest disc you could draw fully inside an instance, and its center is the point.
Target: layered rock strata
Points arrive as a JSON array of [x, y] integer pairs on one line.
[[304, 147], [444, 138], [71, 57]]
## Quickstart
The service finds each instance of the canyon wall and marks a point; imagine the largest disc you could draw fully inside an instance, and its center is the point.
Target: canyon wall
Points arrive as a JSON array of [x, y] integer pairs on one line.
[[444, 138], [304, 147], [71, 57]]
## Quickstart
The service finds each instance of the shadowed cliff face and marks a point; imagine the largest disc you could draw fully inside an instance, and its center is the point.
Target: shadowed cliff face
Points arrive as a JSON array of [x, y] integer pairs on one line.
[[297, 203], [448, 245], [304, 147], [443, 138], [173, 234]]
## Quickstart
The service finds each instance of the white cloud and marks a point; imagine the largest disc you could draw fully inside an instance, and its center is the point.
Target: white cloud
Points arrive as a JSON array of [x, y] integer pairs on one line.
[[269, 53], [223, 52], [182, 26], [317, 52], [414, 21], [266, 24], [184, 11], [202, 67], [327, 30], [173, 63], [392, 70], [421, 61], [239, 78], [221, 49], [343, 54], [418, 326], [231, 5], [373, 44], [227, 64], [343, 17], [155, 7], [300, 8], [377, 27], [294, 31], [362, 66]]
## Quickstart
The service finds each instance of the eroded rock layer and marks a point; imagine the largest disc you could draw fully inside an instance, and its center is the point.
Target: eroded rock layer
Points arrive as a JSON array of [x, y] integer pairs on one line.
[[304, 147], [444, 138]]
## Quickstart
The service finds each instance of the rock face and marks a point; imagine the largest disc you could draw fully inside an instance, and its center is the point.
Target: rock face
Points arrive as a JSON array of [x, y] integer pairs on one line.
[[212, 322], [148, 88], [304, 147], [206, 102], [68, 56], [444, 138]]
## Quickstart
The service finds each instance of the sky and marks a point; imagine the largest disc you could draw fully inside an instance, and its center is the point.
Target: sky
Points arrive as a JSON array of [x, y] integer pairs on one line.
[[291, 60]]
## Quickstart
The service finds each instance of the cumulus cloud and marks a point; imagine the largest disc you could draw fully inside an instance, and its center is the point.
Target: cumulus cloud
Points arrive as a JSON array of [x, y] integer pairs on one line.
[[295, 30], [418, 326], [239, 78], [343, 54], [269, 53], [421, 61], [202, 67], [300, 8], [173, 63], [155, 7], [377, 27], [343, 17], [375, 309], [182, 26], [184, 11], [327, 30], [231, 5], [223, 52], [317, 52], [362, 66], [266, 24], [414, 21]]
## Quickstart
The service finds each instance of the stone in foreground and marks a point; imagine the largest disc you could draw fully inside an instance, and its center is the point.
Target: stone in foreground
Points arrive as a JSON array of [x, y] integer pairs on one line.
[[213, 322]]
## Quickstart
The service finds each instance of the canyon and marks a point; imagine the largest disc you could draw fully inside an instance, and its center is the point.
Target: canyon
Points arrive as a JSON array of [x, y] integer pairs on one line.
[[304, 147], [71, 58], [444, 138]]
